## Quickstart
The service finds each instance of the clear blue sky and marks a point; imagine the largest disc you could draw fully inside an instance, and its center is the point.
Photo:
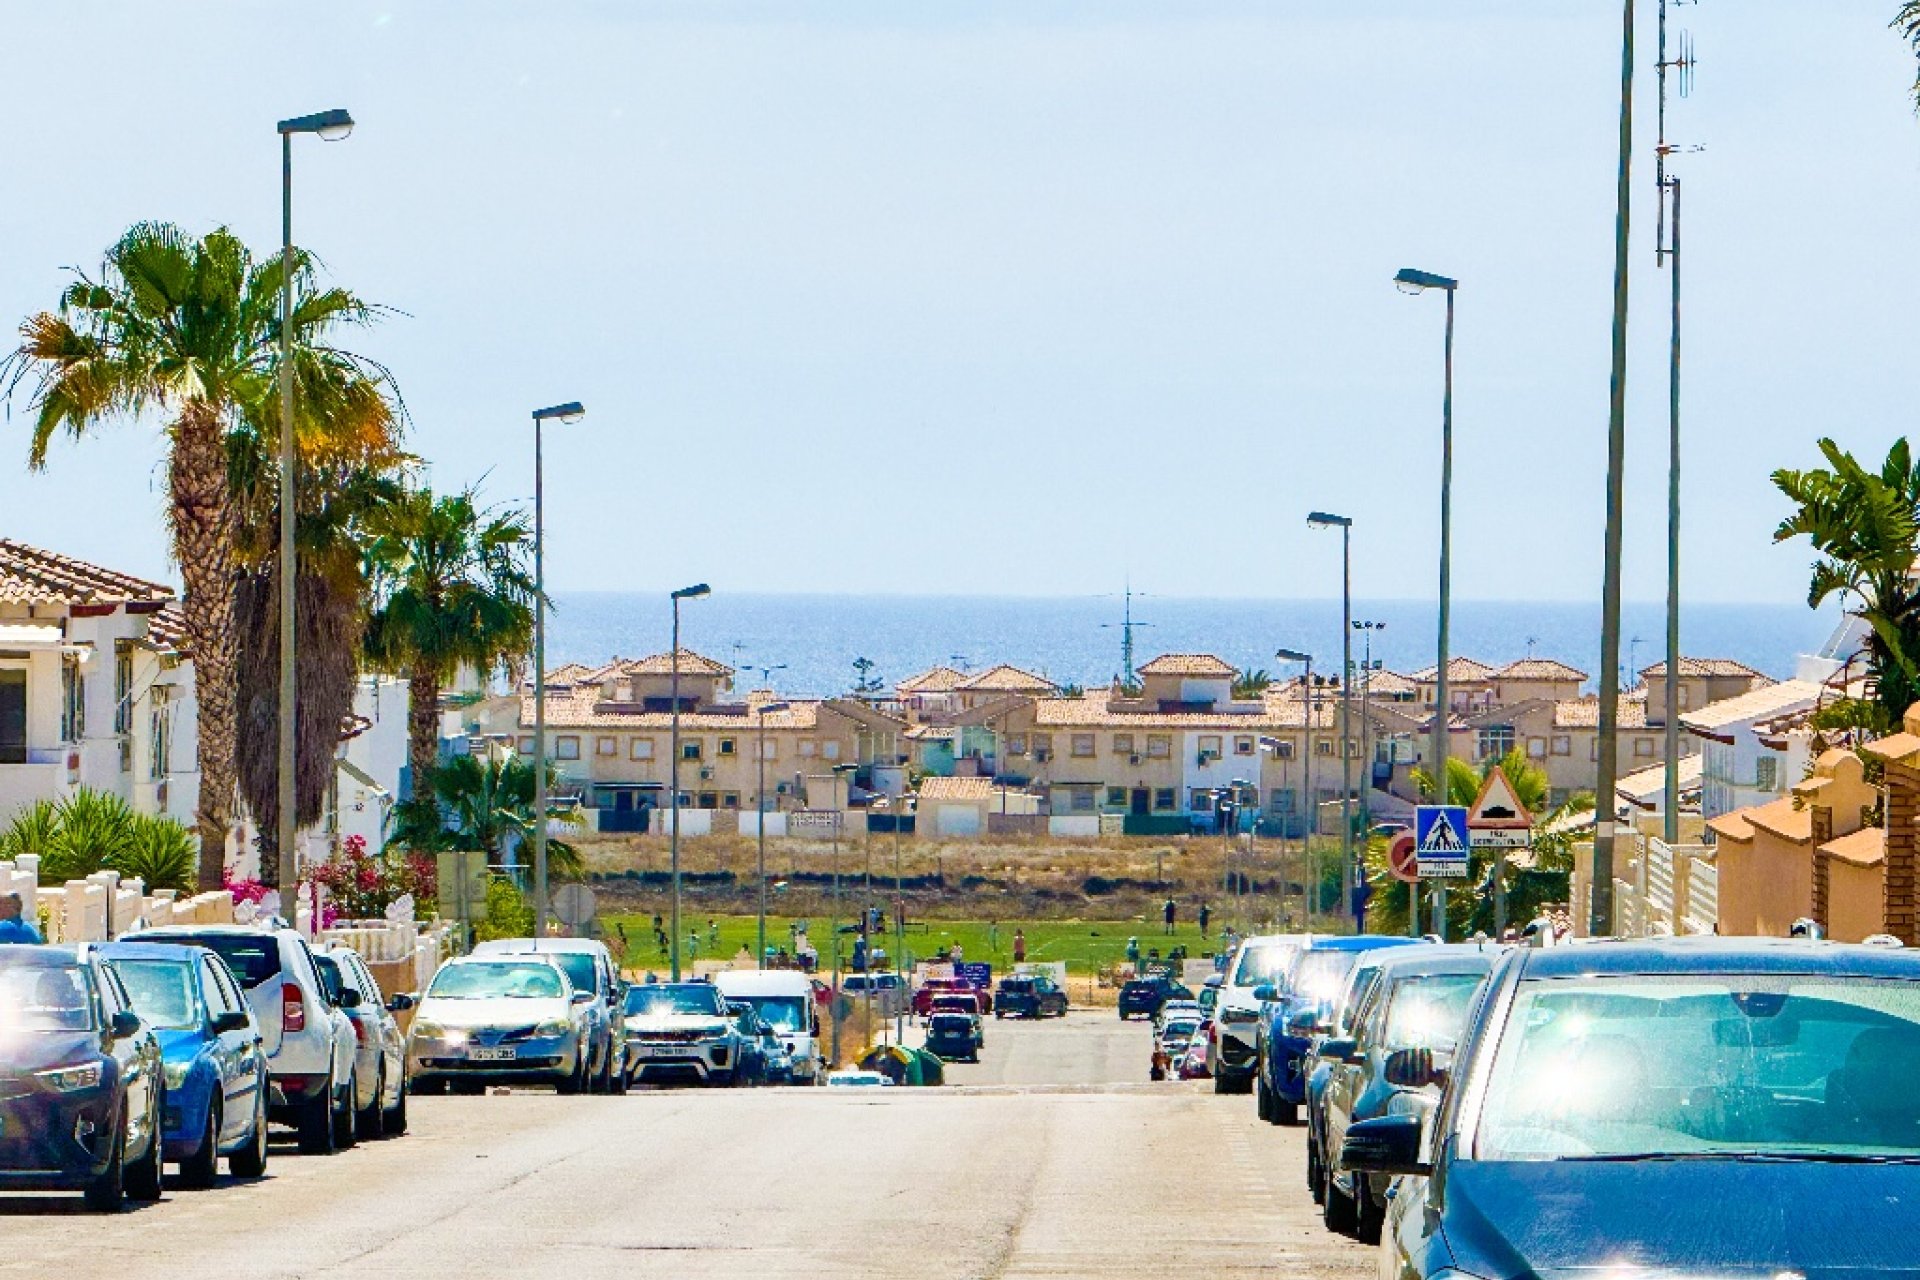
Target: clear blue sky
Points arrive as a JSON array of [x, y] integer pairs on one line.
[[1017, 297]]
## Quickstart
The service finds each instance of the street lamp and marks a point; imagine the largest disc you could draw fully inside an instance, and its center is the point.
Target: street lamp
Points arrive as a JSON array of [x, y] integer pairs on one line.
[[567, 414], [1367, 667], [760, 799], [1325, 520], [694, 592], [331, 126], [1306, 772], [1410, 280]]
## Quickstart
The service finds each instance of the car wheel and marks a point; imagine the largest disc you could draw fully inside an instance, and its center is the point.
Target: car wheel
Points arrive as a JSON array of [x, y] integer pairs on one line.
[[1220, 1085], [108, 1192], [369, 1122], [575, 1080], [203, 1166], [344, 1112], [430, 1088], [143, 1176], [1313, 1171], [604, 1082], [251, 1160], [1286, 1113], [396, 1117], [316, 1123], [1337, 1209], [1262, 1097], [1368, 1216]]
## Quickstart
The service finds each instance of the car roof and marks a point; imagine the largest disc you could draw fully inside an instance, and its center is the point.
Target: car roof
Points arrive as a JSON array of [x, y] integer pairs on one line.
[[62, 955], [237, 930], [147, 951], [1442, 957], [1711, 954], [1362, 942], [537, 946], [495, 957]]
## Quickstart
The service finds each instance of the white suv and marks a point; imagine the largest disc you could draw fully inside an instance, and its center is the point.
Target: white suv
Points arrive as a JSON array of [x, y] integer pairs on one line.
[[1234, 1052], [310, 1042]]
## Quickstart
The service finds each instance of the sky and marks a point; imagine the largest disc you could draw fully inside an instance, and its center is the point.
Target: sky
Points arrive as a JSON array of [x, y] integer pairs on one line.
[[1018, 297]]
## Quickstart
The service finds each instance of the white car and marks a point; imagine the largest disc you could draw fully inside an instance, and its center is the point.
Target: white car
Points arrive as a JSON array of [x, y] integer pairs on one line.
[[784, 998], [889, 992], [312, 1050], [500, 1020], [857, 1080], [681, 1030], [1234, 1052]]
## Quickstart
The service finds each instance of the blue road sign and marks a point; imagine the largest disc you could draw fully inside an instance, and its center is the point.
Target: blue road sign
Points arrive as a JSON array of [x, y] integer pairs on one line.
[[1441, 841]]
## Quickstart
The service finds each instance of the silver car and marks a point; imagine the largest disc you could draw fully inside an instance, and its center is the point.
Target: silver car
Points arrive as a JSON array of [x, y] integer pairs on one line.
[[500, 1019], [590, 967], [380, 1099], [682, 1031]]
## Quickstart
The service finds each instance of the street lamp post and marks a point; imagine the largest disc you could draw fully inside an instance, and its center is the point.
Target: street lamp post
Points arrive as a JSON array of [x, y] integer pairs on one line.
[[1410, 280], [1325, 520], [760, 796], [568, 413], [1366, 627], [1306, 784], [1273, 747], [694, 592], [331, 126]]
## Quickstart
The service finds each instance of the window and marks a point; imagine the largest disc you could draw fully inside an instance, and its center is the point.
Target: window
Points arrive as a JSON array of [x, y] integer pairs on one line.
[[1210, 745], [160, 728], [690, 750], [525, 745], [123, 686], [808, 746], [1123, 744], [566, 747], [1685, 695], [1200, 799], [1162, 798], [1536, 748], [73, 700], [1116, 797], [1284, 750], [1017, 744], [1042, 745], [1282, 800], [709, 800], [1159, 747], [1081, 745], [729, 799], [640, 749], [1766, 773], [1243, 745], [727, 746], [770, 749], [831, 750], [1083, 799], [1562, 745], [1643, 748], [1495, 741], [606, 745], [1324, 747]]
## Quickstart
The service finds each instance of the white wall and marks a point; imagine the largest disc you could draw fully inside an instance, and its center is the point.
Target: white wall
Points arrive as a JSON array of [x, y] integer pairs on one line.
[[380, 752]]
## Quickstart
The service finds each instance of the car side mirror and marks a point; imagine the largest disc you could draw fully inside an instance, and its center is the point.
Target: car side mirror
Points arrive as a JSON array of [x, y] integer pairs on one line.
[[230, 1021], [583, 997], [124, 1024], [1386, 1144], [347, 999], [1339, 1050], [1414, 1069], [400, 1003], [1265, 992], [1303, 1025]]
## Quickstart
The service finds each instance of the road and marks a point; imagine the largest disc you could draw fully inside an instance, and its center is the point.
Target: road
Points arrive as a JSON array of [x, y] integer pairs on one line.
[[1053, 1157]]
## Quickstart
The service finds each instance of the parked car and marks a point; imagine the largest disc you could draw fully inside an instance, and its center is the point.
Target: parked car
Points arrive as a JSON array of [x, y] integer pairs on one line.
[[889, 992], [1190, 1063], [954, 1036], [851, 1079], [81, 1107], [1421, 1003], [923, 994], [1188, 1009], [688, 1031], [1739, 1106], [589, 967], [1257, 962], [311, 1047], [212, 1059], [380, 1108], [1175, 1034], [1029, 996], [785, 999], [1349, 1011], [1143, 996], [1294, 1013], [508, 1019]]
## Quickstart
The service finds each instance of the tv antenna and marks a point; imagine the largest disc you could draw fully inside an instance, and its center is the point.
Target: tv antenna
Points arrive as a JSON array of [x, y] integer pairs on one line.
[[1681, 62], [1127, 624]]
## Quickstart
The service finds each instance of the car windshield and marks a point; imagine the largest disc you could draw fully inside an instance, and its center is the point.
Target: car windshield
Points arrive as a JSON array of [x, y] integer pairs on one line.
[[1428, 1011], [1182, 1029], [253, 957], [497, 980], [950, 1024], [580, 969], [783, 1013], [1796, 1066], [1320, 974], [1260, 964], [662, 1000], [162, 992], [1019, 986], [43, 997]]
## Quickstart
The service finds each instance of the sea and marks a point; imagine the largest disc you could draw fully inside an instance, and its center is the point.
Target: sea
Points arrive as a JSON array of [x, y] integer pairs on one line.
[[813, 641]]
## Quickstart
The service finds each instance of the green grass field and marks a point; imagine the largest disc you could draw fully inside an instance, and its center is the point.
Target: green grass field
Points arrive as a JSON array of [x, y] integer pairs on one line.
[[1085, 945]]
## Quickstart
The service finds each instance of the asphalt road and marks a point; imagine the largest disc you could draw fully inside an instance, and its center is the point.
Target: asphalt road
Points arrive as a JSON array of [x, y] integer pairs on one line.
[[1053, 1157]]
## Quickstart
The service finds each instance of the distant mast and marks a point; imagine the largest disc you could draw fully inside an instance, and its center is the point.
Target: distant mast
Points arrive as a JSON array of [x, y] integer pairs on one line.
[[1127, 624]]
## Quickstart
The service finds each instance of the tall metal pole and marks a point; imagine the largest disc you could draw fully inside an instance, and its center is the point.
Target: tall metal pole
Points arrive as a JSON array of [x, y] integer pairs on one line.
[[673, 801], [1309, 885], [1347, 880], [1670, 800], [899, 922], [540, 690], [1601, 917], [760, 795], [834, 926], [1443, 708], [289, 554]]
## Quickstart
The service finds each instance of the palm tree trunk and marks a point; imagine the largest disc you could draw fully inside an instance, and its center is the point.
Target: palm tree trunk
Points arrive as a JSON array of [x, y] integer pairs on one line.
[[423, 726], [203, 544]]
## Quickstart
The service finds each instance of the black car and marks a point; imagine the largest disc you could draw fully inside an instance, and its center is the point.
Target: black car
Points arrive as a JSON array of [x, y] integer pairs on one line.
[[1697, 1106], [954, 1037], [81, 1084], [1146, 995], [1037, 996]]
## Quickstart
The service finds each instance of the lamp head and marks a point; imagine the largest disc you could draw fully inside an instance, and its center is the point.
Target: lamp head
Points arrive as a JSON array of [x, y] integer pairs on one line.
[[765, 707], [330, 125], [569, 413], [1292, 655], [1270, 744], [1327, 520], [1410, 280], [693, 592]]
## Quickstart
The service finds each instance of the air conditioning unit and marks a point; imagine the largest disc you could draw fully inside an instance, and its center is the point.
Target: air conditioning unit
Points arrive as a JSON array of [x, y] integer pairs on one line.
[[1133, 759], [706, 773]]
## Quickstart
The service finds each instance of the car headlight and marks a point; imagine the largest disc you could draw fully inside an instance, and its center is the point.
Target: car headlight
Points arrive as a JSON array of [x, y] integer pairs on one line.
[[1240, 1015], [176, 1073], [554, 1027], [73, 1079]]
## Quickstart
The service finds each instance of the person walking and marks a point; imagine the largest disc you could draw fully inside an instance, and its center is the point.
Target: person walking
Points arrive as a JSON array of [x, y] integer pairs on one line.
[[13, 928], [1206, 914], [1168, 912], [1019, 946]]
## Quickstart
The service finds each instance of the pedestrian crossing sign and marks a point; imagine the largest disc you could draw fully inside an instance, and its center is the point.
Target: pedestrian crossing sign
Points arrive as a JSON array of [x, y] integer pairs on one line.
[[1440, 841]]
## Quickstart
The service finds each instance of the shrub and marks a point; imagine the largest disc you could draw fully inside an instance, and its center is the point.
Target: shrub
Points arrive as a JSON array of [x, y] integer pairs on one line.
[[509, 915], [362, 885], [95, 832], [161, 853], [33, 830]]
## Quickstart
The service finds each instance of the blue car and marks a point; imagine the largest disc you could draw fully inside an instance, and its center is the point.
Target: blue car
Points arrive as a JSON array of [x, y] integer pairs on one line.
[[210, 1046], [1293, 1012]]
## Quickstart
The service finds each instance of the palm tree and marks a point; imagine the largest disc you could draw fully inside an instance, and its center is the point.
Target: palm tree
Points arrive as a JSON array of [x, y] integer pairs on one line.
[[1866, 527], [1251, 684], [1906, 20], [488, 804], [452, 589], [186, 330]]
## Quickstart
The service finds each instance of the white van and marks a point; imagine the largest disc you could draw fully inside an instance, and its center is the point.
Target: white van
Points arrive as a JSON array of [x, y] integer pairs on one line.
[[784, 997]]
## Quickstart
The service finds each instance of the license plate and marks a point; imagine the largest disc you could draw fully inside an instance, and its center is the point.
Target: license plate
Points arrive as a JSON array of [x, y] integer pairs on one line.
[[490, 1055]]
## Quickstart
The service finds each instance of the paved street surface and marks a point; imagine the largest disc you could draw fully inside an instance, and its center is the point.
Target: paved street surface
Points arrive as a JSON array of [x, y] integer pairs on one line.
[[1053, 1157]]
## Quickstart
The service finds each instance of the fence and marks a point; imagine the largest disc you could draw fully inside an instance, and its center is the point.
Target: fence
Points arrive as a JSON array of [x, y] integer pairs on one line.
[[103, 906], [402, 954], [1658, 889]]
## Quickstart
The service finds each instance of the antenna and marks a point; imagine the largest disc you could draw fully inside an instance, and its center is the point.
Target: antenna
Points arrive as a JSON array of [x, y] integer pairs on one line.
[[1682, 64], [1127, 624]]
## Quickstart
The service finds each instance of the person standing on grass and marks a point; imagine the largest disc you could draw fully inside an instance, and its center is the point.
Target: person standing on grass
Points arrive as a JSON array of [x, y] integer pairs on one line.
[[1167, 913], [1019, 946], [993, 937], [12, 927], [1206, 914]]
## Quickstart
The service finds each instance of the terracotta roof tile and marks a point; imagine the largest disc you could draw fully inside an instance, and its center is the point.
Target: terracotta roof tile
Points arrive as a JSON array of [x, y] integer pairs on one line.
[[583, 709], [1458, 669], [1189, 664], [1006, 678], [1093, 711], [1584, 713], [955, 789], [1538, 669], [936, 680], [661, 664], [167, 629], [29, 575], [1765, 703], [1718, 667]]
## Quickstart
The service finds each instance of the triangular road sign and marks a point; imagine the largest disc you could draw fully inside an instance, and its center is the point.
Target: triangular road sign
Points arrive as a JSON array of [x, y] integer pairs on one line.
[[1498, 807]]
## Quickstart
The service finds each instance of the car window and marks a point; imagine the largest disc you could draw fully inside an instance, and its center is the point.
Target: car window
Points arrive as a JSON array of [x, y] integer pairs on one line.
[[329, 978], [369, 985], [163, 991], [43, 997], [581, 968], [1427, 1011], [229, 985], [497, 980], [254, 958], [112, 993], [218, 996]]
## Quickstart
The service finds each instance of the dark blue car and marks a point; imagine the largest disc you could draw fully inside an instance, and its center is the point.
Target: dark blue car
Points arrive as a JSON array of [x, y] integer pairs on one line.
[[1294, 1011], [215, 1068], [1678, 1107]]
